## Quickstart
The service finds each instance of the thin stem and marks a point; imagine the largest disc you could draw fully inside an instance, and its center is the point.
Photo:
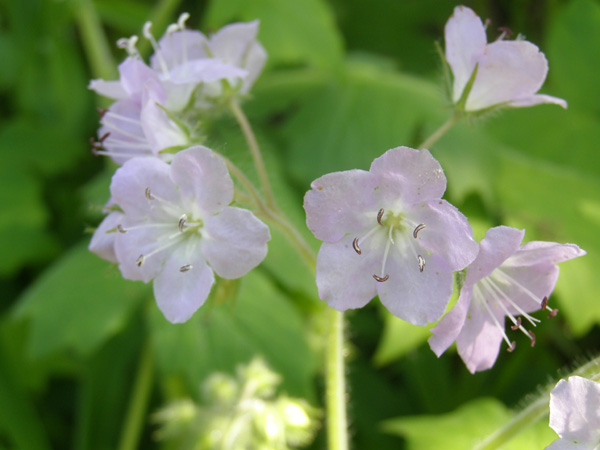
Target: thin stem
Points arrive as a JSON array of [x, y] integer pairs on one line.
[[94, 40], [337, 426], [428, 143], [254, 150], [535, 411], [134, 421]]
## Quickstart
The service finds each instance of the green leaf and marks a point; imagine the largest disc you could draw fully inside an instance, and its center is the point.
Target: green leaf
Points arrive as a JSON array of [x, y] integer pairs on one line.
[[292, 31], [260, 321], [77, 304], [399, 337], [355, 118], [573, 42], [465, 427]]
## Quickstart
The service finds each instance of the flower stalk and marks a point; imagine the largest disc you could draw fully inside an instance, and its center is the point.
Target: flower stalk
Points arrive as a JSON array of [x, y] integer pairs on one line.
[[337, 426], [441, 131]]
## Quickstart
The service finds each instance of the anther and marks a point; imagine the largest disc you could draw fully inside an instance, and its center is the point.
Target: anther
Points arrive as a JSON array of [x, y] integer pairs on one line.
[[512, 347], [172, 29], [148, 194], [421, 263], [517, 325], [379, 216], [544, 303], [104, 136], [182, 19], [101, 112], [355, 246], [380, 279], [146, 30], [505, 31], [182, 221], [417, 229], [553, 313], [532, 336], [139, 261], [185, 268], [120, 229], [129, 45]]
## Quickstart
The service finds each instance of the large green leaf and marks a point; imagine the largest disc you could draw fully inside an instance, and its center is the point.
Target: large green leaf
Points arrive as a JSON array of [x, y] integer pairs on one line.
[[292, 31], [260, 321], [77, 304], [463, 428], [573, 46]]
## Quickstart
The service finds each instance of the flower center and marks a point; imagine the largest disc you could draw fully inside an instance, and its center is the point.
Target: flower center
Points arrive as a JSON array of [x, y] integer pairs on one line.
[[494, 289], [394, 224]]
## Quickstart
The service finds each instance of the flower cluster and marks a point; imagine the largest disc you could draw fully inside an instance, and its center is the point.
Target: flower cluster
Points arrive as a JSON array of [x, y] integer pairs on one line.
[[387, 232], [169, 217]]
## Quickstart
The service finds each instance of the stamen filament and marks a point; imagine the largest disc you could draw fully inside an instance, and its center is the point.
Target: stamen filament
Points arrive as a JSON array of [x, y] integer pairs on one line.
[[534, 297], [118, 116], [161, 60], [123, 132], [532, 320], [482, 300]]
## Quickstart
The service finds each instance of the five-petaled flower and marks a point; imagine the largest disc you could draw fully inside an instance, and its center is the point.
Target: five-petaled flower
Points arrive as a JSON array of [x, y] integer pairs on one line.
[[505, 280], [575, 414], [388, 232], [177, 227], [501, 74]]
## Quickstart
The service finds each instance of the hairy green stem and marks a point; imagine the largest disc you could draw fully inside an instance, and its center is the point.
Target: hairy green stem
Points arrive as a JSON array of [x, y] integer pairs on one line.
[[428, 143], [535, 411], [259, 164], [94, 40], [134, 420], [337, 426]]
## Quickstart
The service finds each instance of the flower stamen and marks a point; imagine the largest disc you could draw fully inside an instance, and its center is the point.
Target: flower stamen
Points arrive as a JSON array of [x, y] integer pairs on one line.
[[511, 345], [421, 263], [161, 60], [381, 279], [185, 268], [379, 216], [181, 223], [417, 229], [356, 247]]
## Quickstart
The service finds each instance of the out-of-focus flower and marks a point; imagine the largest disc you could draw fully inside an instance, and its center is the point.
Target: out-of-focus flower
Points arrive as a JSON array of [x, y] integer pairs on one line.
[[177, 228], [103, 239], [500, 74], [575, 414], [505, 280], [388, 232]]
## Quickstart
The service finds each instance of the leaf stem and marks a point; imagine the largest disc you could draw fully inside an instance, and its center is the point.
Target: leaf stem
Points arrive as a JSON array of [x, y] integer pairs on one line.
[[259, 164], [428, 143], [337, 426], [535, 411], [97, 48], [134, 420]]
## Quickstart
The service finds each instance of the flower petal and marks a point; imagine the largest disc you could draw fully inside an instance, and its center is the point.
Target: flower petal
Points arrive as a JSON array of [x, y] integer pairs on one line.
[[235, 242], [448, 329], [129, 184], [136, 76], [563, 444], [111, 89], [232, 43], [465, 44], [160, 131], [344, 278], [103, 239], [499, 244], [409, 175], [417, 297], [479, 341], [447, 233], [180, 293], [537, 99], [527, 285], [510, 70], [202, 174], [338, 202], [537, 252], [575, 410], [178, 48]]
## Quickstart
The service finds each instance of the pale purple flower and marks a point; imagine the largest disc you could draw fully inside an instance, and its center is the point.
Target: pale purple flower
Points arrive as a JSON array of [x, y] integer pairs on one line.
[[387, 232], [177, 228], [575, 414], [508, 73], [505, 280], [103, 239]]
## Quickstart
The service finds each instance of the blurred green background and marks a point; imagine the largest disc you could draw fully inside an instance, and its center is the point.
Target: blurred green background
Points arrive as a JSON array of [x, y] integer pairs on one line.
[[345, 81]]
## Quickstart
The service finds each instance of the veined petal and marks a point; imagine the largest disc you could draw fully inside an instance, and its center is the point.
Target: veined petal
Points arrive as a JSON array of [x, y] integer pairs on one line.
[[201, 174], [537, 99], [575, 410], [103, 239], [448, 329], [110, 89], [130, 184], [465, 44], [160, 131], [509, 70], [137, 76], [534, 283], [479, 341], [411, 175], [235, 242], [344, 278], [417, 297], [537, 252], [499, 244], [183, 284], [447, 233], [338, 202]]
